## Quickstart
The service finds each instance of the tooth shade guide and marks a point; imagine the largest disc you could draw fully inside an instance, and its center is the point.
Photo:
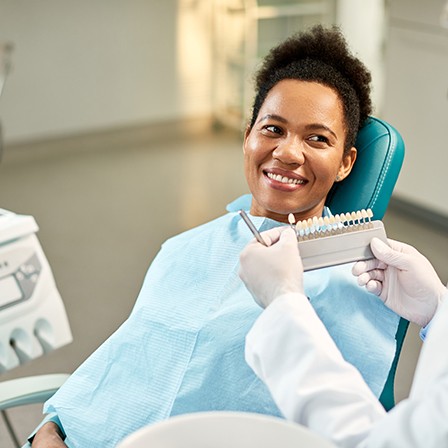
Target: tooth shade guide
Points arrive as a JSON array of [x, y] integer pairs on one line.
[[323, 249], [337, 224], [299, 229], [364, 215]]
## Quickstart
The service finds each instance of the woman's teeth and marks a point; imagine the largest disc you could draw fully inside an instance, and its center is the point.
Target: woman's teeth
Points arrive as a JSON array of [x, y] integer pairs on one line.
[[284, 179]]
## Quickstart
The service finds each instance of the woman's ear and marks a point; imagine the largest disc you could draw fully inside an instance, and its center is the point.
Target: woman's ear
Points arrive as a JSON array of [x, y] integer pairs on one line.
[[246, 136], [347, 164]]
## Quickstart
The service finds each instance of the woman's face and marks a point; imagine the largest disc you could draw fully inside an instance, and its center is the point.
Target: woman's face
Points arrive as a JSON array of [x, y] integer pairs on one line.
[[294, 152]]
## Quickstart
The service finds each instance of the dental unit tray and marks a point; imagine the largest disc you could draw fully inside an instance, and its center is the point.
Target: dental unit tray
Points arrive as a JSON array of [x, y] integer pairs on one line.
[[33, 320]]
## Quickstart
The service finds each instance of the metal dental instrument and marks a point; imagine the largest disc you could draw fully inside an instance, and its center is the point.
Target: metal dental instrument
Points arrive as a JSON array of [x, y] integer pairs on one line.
[[252, 228]]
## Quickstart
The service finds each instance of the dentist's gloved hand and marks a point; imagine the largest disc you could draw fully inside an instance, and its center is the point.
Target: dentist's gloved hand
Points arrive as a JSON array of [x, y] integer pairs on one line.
[[403, 278], [269, 272]]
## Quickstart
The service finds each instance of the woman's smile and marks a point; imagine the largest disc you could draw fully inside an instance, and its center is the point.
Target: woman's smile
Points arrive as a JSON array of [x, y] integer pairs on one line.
[[284, 180]]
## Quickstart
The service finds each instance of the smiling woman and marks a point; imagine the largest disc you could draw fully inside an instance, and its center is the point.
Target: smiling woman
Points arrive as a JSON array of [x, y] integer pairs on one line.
[[295, 150], [182, 348], [312, 97]]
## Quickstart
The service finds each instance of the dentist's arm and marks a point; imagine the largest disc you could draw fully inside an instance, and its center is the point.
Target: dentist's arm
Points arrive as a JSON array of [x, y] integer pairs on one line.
[[408, 284], [291, 351], [421, 420]]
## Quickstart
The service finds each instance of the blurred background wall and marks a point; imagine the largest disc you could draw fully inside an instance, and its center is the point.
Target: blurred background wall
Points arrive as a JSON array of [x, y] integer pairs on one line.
[[85, 66], [416, 98]]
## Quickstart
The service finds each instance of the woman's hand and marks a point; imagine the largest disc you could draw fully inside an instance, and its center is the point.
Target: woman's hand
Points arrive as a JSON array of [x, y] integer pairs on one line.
[[48, 436]]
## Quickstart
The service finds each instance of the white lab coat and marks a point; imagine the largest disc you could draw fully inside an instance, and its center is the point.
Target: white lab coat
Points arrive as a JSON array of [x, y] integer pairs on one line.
[[290, 350]]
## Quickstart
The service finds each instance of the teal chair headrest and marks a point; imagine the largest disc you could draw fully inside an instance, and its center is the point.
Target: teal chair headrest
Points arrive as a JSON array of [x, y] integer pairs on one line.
[[370, 185], [375, 172]]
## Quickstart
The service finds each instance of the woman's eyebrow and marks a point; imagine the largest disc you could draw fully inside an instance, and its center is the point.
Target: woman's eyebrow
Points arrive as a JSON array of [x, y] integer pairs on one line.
[[319, 126], [309, 127], [273, 117]]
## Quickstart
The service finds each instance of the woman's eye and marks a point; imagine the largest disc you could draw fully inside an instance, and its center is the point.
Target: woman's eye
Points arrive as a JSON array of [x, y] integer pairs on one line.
[[273, 129], [319, 139]]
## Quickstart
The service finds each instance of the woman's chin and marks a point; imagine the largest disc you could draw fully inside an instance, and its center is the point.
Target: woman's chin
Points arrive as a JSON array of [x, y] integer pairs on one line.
[[280, 212], [277, 214]]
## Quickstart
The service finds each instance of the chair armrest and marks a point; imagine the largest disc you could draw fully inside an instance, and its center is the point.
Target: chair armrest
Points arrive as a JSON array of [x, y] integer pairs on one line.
[[29, 390]]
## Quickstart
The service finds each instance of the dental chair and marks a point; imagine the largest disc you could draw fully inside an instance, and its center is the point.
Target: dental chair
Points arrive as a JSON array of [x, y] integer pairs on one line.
[[370, 185]]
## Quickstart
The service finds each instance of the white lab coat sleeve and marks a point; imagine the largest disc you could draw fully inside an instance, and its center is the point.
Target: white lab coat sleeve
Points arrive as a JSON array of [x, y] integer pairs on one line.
[[422, 419], [414, 422], [290, 350]]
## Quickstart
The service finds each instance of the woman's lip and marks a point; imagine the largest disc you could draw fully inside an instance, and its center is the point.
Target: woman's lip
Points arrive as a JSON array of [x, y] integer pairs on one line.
[[283, 180], [276, 174]]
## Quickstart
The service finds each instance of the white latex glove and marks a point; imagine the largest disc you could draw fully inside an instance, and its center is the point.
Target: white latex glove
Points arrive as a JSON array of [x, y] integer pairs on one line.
[[269, 272], [403, 278]]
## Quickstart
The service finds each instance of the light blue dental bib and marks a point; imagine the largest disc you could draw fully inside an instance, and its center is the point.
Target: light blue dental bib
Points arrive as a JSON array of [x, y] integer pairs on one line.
[[182, 348]]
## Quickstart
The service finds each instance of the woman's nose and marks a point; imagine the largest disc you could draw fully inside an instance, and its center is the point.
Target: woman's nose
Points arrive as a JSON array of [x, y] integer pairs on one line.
[[290, 151]]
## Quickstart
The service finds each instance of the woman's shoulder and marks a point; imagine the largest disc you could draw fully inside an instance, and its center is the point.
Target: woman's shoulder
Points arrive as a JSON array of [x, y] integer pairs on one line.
[[200, 231], [215, 225]]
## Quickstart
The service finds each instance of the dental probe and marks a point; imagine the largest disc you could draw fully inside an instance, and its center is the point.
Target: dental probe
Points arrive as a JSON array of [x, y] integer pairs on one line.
[[252, 228]]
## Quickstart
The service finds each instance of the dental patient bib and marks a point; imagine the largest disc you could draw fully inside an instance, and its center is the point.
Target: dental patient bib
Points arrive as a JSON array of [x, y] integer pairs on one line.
[[182, 348]]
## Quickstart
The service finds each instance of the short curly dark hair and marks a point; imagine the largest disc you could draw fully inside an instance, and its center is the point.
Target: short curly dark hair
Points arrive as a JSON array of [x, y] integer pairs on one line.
[[320, 55]]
